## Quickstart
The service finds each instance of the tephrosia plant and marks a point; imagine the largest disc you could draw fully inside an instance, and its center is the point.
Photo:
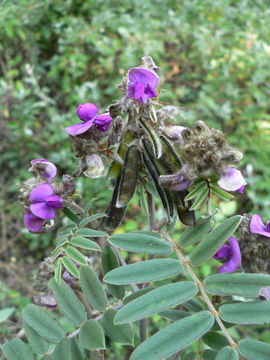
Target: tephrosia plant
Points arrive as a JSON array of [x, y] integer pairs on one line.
[[182, 170]]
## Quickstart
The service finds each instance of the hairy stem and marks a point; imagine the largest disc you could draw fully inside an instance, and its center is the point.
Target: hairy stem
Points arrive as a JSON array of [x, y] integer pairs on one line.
[[206, 298]]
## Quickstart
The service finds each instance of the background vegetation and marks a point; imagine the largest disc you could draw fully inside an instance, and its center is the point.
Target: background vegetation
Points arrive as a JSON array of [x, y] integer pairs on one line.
[[55, 54]]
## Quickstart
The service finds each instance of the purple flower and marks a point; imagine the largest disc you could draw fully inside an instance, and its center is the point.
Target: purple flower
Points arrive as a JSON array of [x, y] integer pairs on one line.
[[43, 206], [231, 254], [175, 132], [257, 226], [141, 84], [232, 180], [88, 113], [265, 293], [44, 168], [174, 182]]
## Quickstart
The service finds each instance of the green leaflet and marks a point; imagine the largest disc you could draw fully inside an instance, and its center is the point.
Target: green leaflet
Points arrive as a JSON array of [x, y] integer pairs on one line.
[[209, 355], [58, 270], [36, 342], [16, 349], [215, 340], [70, 266], [92, 288], [91, 218], [62, 351], [84, 243], [86, 232], [109, 262], [194, 233], [174, 337], [122, 334], [255, 312], [227, 353], [155, 301], [241, 284], [137, 294], [254, 350], [212, 242], [42, 323], [141, 243], [144, 271], [68, 302], [197, 191], [77, 352], [91, 336], [75, 255], [174, 314], [6, 313]]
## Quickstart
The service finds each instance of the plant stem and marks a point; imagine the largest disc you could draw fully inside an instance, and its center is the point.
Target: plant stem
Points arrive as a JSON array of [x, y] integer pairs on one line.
[[152, 227], [206, 298]]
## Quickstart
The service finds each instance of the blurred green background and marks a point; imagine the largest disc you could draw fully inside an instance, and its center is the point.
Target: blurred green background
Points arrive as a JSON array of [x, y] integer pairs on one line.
[[54, 54]]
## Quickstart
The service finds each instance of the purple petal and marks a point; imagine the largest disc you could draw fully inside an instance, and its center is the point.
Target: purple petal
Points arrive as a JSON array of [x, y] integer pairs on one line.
[[175, 132], [257, 226], [43, 211], [32, 222], [223, 253], [146, 77], [232, 180], [235, 262], [33, 162], [44, 168], [78, 129], [87, 111], [241, 189], [138, 91], [265, 293], [40, 192], [54, 201], [103, 122], [150, 92], [183, 185]]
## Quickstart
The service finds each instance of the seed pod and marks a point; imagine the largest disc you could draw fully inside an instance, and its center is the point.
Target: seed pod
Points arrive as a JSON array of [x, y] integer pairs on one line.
[[116, 167], [153, 136], [128, 180], [115, 215], [149, 161], [186, 216], [169, 160]]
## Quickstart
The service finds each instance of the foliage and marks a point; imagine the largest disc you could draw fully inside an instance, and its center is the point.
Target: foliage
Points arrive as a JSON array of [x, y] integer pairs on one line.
[[214, 59]]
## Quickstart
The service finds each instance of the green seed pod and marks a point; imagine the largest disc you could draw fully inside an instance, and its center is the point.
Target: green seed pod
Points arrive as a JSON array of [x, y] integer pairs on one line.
[[129, 174], [169, 160], [153, 137], [116, 167], [115, 215], [149, 162]]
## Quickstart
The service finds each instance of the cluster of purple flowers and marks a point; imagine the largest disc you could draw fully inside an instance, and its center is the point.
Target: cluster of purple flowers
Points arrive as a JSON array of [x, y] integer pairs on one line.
[[231, 254], [43, 201]]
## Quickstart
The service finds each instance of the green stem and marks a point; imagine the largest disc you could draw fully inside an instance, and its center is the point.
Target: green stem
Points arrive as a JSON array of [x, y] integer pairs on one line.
[[200, 285]]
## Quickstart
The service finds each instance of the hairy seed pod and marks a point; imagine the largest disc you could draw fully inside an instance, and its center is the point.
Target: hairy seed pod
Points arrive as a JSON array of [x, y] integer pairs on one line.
[[149, 162], [115, 215], [169, 160], [129, 174], [153, 136], [116, 167]]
